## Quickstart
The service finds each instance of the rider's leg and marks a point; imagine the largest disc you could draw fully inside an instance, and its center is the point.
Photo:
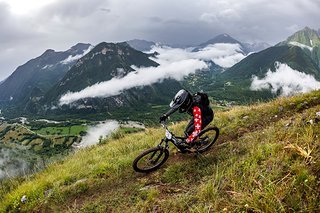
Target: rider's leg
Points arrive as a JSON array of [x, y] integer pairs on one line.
[[189, 128], [206, 120]]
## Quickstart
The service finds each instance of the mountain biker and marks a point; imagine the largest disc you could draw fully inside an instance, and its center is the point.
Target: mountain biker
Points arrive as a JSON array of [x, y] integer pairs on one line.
[[196, 105]]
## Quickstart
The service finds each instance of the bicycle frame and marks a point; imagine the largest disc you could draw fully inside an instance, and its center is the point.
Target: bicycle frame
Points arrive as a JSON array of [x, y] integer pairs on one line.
[[169, 137], [152, 158]]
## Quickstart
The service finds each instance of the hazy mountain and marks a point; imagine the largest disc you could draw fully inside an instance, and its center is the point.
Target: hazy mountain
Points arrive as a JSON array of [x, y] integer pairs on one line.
[[141, 45], [39, 74], [222, 38]]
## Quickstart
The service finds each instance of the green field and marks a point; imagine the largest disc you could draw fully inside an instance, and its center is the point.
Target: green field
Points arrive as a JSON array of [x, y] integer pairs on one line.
[[63, 130]]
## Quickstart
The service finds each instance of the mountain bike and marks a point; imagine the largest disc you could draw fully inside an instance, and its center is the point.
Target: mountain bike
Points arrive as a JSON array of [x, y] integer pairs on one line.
[[152, 158]]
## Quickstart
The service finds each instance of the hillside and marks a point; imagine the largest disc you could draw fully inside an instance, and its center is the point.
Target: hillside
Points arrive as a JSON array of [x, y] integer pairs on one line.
[[258, 63], [102, 63], [266, 160]]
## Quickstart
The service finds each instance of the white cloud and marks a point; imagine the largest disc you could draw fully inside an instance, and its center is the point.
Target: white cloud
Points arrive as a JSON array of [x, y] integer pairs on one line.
[[225, 55], [142, 77], [12, 163], [285, 80], [101, 130], [76, 57]]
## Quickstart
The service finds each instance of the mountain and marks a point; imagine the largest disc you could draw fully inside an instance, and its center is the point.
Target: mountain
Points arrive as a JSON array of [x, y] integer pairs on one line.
[[266, 160], [222, 38], [38, 75], [259, 63], [308, 40], [239, 76], [305, 38], [235, 83], [108, 61], [104, 62], [141, 45]]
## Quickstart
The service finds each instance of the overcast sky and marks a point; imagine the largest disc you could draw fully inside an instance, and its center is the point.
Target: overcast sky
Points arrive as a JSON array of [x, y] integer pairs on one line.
[[28, 28]]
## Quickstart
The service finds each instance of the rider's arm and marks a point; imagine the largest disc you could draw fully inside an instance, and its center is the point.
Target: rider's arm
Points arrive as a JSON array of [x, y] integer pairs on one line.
[[197, 116], [171, 111]]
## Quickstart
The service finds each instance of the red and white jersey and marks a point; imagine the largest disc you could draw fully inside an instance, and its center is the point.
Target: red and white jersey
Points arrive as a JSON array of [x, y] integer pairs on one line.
[[197, 116]]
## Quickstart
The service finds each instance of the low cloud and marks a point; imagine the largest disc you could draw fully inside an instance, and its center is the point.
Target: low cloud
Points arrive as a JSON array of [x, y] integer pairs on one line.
[[101, 130], [285, 81], [175, 63], [224, 54], [12, 163], [76, 57], [141, 77]]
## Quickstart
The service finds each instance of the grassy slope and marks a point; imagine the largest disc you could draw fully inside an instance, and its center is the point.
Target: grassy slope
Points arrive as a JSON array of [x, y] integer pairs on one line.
[[266, 160]]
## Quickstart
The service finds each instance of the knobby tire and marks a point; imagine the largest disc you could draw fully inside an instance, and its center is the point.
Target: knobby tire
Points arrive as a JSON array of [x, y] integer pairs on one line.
[[211, 139], [153, 157]]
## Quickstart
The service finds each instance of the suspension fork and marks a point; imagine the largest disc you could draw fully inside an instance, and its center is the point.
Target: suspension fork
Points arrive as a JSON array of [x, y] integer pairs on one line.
[[164, 141]]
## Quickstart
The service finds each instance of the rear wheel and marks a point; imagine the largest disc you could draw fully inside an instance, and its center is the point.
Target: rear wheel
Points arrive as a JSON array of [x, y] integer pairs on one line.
[[150, 159], [207, 138]]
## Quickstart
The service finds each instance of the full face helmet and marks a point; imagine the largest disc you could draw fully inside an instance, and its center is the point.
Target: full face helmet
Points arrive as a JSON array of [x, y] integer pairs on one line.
[[182, 100]]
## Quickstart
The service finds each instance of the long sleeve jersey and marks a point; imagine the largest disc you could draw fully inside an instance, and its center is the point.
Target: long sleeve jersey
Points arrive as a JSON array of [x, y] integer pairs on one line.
[[197, 116]]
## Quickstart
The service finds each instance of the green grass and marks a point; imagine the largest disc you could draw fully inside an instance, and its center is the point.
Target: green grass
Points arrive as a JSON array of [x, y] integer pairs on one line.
[[267, 159]]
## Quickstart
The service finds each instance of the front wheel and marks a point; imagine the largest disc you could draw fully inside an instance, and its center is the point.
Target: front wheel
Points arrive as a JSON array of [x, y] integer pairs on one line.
[[207, 138], [150, 159]]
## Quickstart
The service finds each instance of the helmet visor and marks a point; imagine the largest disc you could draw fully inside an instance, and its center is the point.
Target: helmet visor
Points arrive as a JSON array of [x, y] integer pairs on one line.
[[177, 100]]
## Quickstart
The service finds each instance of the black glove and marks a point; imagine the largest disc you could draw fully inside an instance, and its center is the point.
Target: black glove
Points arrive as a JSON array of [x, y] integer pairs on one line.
[[163, 118]]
